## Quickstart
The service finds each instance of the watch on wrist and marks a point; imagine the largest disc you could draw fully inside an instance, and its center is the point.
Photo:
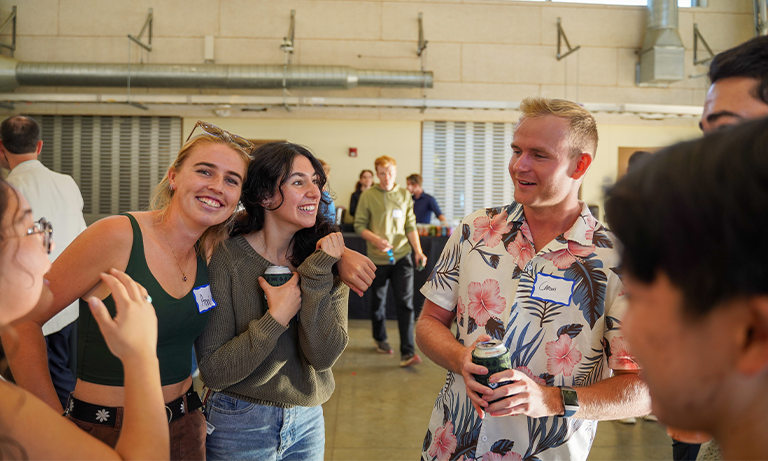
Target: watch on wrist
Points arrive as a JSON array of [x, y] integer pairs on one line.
[[570, 400]]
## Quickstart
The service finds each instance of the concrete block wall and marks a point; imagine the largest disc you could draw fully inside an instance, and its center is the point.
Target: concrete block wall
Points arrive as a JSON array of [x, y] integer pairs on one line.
[[478, 49]]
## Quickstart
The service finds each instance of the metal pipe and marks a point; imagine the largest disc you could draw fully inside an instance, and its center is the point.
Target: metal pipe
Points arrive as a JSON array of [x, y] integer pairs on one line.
[[662, 14], [203, 76], [761, 17]]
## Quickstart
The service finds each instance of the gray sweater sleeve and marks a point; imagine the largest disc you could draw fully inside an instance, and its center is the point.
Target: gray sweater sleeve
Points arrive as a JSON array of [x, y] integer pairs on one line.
[[323, 315], [225, 355]]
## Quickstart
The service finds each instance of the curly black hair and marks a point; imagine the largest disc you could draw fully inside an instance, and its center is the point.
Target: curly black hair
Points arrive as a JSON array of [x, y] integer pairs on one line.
[[267, 172]]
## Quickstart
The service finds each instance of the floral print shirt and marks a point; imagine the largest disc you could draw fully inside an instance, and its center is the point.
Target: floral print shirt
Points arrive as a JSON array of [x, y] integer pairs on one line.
[[558, 312]]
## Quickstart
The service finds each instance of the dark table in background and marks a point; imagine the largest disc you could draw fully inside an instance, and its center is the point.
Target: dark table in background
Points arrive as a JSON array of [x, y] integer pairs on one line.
[[360, 308]]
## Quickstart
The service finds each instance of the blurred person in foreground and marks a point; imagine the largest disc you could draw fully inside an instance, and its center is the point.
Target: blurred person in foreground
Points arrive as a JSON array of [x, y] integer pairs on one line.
[[56, 197], [29, 428], [692, 222]]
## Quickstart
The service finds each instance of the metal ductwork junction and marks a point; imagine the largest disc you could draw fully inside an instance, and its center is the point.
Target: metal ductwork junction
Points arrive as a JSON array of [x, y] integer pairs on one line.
[[662, 59], [14, 74]]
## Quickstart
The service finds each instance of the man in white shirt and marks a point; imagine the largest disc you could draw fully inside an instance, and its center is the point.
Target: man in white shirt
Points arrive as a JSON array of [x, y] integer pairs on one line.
[[57, 198]]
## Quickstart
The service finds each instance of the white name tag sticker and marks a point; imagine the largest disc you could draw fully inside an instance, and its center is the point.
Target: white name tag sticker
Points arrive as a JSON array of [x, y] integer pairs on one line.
[[204, 298], [397, 213], [554, 289]]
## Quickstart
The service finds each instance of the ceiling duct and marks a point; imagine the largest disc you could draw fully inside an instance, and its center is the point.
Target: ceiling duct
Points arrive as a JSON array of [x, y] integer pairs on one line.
[[662, 59], [14, 74]]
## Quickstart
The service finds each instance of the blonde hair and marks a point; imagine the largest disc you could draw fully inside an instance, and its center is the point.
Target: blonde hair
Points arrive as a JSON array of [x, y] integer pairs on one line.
[[582, 128], [163, 194], [384, 161]]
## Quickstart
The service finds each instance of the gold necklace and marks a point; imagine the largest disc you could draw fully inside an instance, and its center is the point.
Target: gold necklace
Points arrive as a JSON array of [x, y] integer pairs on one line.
[[173, 252], [261, 235]]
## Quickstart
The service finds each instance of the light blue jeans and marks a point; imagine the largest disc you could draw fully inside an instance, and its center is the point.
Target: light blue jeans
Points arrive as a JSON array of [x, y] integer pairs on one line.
[[243, 430]]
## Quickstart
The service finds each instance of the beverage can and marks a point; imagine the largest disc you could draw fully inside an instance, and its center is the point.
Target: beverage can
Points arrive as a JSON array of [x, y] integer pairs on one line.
[[494, 356], [277, 275]]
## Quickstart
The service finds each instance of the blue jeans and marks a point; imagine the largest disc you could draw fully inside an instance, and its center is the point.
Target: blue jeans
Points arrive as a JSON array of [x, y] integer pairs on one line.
[[244, 430]]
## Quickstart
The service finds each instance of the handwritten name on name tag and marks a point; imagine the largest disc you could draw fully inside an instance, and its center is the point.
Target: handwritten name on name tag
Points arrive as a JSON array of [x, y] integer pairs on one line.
[[204, 298], [554, 289]]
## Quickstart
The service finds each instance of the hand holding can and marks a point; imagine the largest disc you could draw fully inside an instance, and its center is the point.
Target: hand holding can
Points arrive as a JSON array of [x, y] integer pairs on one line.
[[277, 275], [281, 289], [494, 356]]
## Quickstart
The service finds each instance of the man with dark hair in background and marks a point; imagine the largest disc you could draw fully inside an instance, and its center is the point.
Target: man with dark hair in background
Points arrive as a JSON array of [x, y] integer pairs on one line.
[[692, 223], [739, 88], [423, 204], [56, 198]]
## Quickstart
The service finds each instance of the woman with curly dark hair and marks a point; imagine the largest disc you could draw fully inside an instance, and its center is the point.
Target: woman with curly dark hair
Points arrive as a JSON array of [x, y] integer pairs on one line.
[[267, 351]]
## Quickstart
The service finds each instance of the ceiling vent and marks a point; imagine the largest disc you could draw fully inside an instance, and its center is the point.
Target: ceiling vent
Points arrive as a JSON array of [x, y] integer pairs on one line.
[[662, 59]]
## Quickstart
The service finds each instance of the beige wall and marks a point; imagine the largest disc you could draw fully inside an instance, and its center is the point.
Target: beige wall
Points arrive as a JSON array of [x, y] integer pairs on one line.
[[478, 49], [605, 168], [330, 140]]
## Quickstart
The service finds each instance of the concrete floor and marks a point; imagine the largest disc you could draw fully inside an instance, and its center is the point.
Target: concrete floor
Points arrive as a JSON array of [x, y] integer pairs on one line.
[[380, 411]]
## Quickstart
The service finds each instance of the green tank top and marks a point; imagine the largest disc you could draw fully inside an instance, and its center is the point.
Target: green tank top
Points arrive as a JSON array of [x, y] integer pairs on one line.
[[179, 322]]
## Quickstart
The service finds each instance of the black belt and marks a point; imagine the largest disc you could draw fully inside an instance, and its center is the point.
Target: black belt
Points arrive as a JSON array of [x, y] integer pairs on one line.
[[106, 416]]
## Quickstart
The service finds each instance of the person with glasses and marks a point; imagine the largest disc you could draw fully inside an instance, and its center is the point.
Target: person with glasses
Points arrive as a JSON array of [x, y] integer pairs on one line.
[[166, 250], [57, 197], [31, 429], [267, 352]]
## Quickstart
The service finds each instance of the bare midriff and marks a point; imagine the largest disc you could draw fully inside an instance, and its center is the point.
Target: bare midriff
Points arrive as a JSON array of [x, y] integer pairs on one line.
[[114, 396]]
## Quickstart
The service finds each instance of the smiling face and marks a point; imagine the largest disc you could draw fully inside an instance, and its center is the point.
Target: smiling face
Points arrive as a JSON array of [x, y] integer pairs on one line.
[[23, 260], [687, 363], [208, 184], [387, 175], [542, 169], [300, 198], [731, 101]]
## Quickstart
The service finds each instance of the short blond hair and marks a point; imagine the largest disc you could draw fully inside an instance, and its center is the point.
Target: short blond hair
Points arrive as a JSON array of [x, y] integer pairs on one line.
[[582, 128], [384, 161]]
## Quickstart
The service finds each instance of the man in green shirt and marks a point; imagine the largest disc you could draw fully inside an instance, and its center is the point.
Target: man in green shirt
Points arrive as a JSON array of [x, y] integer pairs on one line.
[[385, 219]]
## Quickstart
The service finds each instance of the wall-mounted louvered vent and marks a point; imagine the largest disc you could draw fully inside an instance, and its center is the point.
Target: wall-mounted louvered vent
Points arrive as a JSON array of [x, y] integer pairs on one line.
[[465, 165], [116, 161]]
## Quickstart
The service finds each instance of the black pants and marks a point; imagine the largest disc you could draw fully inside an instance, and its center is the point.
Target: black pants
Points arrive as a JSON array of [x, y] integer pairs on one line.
[[401, 274], [61, 359]]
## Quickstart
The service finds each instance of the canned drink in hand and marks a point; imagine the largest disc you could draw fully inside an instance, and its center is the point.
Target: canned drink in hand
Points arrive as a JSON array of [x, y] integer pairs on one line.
[[278, 275], [494, 356]]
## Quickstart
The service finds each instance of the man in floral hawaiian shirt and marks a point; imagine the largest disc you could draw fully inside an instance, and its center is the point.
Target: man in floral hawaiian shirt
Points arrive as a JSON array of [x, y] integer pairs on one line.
[[539, 275], [693, 223]]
